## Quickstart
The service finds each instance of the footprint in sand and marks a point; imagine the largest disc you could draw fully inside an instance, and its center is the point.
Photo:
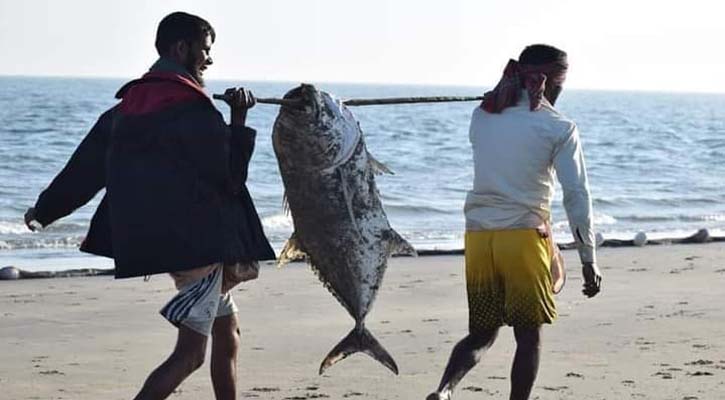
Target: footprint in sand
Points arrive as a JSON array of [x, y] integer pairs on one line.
[[663, 375], [56, 372], [264, 389], [700, 373], [555, 388], [700, 362]]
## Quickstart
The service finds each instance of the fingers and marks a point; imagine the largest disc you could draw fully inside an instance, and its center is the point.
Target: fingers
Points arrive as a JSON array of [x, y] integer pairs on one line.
[[592, 286], [240, 98], [30, 218], [592, 279]]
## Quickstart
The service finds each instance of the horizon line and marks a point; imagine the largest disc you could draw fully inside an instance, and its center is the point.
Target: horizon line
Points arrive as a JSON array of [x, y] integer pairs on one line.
[[378, 83]]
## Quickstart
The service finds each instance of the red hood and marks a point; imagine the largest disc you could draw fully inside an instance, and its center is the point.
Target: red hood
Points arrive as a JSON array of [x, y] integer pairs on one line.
[[156, 91]]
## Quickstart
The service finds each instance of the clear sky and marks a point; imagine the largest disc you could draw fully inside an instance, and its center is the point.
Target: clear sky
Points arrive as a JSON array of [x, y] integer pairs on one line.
[[661, 45]]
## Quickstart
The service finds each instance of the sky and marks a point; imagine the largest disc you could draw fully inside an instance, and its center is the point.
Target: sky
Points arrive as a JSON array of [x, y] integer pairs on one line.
[[648, 45]]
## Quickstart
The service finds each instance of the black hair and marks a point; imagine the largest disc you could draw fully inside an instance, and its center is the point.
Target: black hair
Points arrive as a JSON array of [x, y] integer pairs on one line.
[[538, 54], [181, 26]]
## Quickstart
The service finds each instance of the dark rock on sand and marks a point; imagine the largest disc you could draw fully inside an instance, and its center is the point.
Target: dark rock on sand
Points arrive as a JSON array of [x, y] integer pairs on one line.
[[9, 274]]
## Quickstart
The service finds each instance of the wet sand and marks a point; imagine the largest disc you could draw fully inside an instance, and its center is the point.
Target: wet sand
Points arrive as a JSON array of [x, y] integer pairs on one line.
[[657, 331]]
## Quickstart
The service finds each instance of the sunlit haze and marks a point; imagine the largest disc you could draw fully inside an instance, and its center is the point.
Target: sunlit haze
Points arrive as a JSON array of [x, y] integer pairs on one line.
[[613, 45]]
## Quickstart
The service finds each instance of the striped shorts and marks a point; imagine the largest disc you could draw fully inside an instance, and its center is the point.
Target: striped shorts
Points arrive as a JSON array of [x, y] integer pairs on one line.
[[199, 303]]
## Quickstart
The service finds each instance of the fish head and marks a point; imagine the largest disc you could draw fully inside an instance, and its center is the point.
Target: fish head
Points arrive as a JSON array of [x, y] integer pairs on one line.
[[314, 129]]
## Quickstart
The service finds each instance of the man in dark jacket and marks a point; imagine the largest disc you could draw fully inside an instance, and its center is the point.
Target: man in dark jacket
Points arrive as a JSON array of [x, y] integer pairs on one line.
[[176, 200]]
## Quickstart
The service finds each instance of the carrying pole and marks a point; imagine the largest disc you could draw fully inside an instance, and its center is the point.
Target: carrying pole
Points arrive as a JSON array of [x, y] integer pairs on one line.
[[370, 102]]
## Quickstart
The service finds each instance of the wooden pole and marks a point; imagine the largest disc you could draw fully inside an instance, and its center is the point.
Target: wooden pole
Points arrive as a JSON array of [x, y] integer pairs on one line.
[[409, 100], [370, 102], [262, 100]]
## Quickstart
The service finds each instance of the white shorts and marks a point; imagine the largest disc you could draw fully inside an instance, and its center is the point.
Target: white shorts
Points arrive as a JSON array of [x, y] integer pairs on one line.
[[199, 303]]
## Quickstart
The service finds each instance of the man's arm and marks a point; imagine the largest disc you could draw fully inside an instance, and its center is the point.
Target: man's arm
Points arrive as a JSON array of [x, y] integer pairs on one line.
[[571, 172], [221, 152], [81, 178], [243, 137]]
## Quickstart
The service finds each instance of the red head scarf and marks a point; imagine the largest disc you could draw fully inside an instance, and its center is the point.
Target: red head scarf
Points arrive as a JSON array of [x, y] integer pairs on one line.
[[523, 76]]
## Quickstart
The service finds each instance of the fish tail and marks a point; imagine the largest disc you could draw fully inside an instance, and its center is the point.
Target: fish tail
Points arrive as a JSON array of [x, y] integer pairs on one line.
[[359, 340]]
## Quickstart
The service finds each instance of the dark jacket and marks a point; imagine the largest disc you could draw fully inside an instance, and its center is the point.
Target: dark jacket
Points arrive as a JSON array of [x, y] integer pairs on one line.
[[174, 175]]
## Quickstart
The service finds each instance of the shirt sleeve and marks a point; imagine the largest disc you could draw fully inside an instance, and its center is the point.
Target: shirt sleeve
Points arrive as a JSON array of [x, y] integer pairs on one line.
[[83, 176], [571, 172]]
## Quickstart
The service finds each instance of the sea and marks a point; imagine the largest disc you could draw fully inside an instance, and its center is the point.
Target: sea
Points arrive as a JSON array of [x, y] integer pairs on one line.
[[656, 161]]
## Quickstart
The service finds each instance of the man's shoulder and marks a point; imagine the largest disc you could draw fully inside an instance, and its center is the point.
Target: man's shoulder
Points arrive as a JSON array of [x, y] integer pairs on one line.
[[556, 120], [156, 92]]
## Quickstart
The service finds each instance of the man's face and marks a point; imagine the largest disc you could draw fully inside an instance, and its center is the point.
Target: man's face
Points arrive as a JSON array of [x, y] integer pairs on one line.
[[552, 92], [198, 58]]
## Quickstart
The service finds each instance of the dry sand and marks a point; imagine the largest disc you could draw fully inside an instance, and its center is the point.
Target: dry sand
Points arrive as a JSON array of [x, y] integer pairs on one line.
[[657, 331]]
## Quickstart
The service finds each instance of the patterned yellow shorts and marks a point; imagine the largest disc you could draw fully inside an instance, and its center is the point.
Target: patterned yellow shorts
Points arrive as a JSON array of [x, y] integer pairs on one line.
[[508, 279]]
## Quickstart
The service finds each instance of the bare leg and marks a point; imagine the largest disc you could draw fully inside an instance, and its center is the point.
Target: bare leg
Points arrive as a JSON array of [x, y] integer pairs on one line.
[[187, 357], [224, 349], [526, 362], [466, 354]]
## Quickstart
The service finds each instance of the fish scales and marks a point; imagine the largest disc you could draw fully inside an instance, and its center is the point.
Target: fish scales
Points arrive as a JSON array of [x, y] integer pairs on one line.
[[340, 224]]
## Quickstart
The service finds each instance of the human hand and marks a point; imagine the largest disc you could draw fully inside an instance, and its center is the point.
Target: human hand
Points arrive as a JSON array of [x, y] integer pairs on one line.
[[592, 279], [30, 220], [240, 100]]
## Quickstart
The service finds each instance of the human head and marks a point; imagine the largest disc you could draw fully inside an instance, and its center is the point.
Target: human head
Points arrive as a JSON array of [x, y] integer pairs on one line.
[[542, 54], [186, 39]]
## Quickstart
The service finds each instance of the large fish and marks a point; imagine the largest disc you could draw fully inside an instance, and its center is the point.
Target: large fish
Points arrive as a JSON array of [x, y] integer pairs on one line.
[[340, 225]]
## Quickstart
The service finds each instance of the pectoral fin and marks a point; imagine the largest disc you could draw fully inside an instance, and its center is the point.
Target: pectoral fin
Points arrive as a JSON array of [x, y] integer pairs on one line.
[[378, 167]]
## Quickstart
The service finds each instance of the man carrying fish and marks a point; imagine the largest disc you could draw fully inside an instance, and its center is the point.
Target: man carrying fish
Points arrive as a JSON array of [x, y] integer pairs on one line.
[[176, 200], [519, 140]]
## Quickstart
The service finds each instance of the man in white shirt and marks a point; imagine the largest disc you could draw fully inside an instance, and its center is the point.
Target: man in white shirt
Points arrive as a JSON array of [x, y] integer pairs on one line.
[[520, 142]]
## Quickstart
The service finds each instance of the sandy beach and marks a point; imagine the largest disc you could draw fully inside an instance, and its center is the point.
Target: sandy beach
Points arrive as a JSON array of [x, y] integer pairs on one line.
[[657, 331]]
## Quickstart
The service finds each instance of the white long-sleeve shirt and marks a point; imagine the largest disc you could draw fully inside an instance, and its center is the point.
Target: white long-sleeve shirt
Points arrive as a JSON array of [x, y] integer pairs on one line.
[[516, 154]]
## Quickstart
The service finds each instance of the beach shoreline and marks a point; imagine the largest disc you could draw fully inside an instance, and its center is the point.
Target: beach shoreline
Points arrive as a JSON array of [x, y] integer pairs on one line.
[[655, 332], [62, 264]]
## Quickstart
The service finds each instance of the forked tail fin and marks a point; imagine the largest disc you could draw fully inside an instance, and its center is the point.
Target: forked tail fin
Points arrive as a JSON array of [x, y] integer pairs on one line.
[[359, 340]]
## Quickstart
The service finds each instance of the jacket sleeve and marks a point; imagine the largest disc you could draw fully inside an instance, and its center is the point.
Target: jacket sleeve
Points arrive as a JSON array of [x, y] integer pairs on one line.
[[241, 149], [82, 177], [220, 153], [572, 174]]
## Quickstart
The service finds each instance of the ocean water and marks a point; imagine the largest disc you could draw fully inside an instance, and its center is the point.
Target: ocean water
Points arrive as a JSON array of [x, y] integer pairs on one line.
[[656, 161]]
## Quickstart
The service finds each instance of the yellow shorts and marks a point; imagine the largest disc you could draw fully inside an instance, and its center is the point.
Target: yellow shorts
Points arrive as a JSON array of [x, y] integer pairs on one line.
[[508, 279]]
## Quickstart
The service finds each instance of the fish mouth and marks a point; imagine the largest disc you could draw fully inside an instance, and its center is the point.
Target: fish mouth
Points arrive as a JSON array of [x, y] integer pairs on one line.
[[305, 100]]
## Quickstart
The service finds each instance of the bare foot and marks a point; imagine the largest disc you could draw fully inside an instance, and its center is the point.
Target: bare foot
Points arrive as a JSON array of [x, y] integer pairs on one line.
[[445, 395]]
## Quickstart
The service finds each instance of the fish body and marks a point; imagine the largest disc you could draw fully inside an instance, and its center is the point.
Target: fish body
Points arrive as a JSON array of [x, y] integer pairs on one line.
[[339, 221]]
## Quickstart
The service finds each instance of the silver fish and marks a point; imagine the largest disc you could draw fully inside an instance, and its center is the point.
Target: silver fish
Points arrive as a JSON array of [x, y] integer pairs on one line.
[[340, 224]]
